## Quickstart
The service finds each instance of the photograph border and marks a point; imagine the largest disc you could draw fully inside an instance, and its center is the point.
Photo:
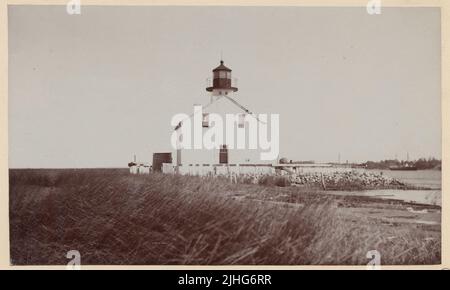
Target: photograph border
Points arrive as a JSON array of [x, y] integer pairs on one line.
[[445, 108]]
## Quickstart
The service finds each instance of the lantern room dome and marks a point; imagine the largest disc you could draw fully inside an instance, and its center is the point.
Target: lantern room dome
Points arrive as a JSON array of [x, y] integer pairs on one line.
[[221, 67]]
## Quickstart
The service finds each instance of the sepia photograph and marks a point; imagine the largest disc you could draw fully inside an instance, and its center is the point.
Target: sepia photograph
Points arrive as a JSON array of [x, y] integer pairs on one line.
[[224, 136]]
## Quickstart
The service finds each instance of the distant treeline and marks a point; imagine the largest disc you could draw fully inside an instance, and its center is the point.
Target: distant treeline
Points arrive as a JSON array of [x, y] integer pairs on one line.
[[421, 163]]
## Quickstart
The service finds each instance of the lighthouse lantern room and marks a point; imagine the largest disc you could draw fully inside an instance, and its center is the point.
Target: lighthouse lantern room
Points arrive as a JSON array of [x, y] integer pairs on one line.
[[221, 81]]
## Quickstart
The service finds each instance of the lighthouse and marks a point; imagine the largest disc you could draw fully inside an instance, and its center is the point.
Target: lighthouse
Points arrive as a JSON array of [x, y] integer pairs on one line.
[[222, 87], [222, 97]]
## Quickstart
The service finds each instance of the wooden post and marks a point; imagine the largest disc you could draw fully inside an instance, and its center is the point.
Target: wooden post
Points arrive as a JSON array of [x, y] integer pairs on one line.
[[323, 181]]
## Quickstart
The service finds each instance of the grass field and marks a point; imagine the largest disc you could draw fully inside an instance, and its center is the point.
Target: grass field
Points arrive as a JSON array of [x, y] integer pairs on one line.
[[112, 217]]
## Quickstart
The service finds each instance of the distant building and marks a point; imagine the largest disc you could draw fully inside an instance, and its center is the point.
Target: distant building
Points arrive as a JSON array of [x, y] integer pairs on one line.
[[139, 167]]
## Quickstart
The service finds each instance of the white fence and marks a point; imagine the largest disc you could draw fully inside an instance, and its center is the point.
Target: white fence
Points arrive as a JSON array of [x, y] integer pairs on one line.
[[140, 169], [236, 169], [217, 169]]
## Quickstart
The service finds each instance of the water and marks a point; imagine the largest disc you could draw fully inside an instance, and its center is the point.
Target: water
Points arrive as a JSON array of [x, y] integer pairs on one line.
[[424, 178], [421, 178], [431, 197]]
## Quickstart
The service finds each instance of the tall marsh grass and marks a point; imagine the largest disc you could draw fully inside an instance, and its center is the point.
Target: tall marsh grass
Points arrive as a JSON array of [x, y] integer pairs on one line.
[[111, 217]]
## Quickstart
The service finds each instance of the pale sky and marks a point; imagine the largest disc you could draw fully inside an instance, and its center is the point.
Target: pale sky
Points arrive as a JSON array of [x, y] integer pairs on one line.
[[90, 90]]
